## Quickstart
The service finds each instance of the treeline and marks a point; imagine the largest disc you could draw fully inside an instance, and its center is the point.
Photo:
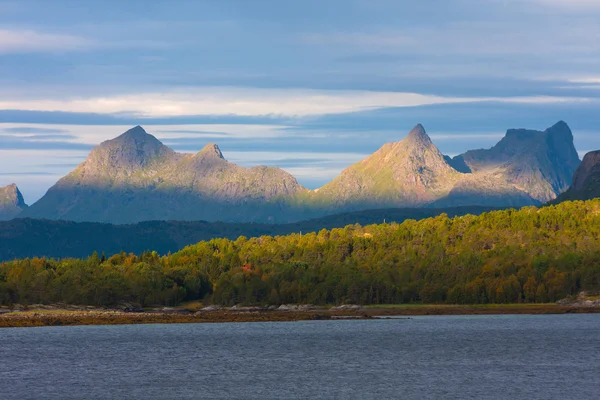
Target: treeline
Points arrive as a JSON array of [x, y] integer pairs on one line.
[[509, 256], [27, 238]]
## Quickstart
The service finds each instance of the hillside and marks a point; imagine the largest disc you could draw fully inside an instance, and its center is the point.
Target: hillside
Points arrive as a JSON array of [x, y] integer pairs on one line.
[[22, 238], [509, 256]]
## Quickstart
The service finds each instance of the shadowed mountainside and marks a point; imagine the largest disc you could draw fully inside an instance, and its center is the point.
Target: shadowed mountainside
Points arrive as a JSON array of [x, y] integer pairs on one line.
[[540, 164], [586, 181]]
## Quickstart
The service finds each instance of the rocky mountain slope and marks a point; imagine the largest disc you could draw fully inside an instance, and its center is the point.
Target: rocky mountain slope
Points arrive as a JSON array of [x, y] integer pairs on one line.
[[11, 202], [135, 178], [540, 164], [525, 168], [586, 181], [408, 173]]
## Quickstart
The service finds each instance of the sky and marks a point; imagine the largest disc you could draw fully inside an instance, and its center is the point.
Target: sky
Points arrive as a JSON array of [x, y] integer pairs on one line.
[[310, 86]]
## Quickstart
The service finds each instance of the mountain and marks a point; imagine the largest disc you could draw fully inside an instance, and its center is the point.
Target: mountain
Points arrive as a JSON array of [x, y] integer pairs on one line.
[[539, 164], [586, 181], [11, 202], [23, 238], [134, 177], [525, 168], [408, 173]]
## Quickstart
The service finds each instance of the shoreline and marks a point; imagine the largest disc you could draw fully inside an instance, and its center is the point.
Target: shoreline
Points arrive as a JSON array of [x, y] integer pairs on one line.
[[73, 317]]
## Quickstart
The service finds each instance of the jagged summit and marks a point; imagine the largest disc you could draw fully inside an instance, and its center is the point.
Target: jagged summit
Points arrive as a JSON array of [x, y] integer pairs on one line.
[[127, 153], [418, 135], [11, 195], [135, 177], [406, 173], [541, 163], [560, 126], [211, 150], [136, 136], [135, 132], [558, 131], [11, 201]]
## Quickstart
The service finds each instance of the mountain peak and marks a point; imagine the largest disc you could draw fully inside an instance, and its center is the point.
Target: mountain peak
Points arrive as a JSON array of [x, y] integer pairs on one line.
[[211, 150], [129, 151], [560, 133], [11, 202], [543, 162], [137, 134], [560, 125], [418, 134], [11, 195]]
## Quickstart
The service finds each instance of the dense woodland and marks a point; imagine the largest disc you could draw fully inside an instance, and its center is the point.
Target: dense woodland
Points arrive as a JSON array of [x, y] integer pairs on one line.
[[27, 238], [509, 256]]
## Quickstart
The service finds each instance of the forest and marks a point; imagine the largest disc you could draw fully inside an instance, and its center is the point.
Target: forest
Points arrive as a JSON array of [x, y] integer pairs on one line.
[[533, 255]]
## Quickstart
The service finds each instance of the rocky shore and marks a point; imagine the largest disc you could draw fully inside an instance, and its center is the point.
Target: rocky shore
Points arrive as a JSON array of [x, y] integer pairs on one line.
[[64, 315], [583, 299]]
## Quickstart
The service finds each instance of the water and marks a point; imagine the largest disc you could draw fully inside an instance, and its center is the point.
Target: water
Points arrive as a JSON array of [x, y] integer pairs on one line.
[[475, 357]]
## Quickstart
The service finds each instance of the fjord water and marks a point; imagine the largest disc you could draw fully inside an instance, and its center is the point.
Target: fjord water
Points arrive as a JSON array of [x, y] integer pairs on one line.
[[462, 357]]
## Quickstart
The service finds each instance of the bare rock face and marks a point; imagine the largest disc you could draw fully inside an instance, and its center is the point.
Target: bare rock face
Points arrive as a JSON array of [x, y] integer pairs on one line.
[[540, 164], [586, 181], [11, 202], [134, 177]]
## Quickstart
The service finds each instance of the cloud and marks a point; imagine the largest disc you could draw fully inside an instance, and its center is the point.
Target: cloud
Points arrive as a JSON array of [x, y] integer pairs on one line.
[[37, 137], [27, 41], [256, 102], [190, 137], [31, 173], [33, 130], [571, 4], [587, 82]]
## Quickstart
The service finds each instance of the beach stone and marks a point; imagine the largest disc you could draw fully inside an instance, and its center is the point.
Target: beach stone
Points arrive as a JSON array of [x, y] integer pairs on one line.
[[211, 308], [347, 307]]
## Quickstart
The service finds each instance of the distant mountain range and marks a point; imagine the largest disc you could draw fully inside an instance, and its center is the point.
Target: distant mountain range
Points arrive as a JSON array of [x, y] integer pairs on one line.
[[22, 238], [134, 178]]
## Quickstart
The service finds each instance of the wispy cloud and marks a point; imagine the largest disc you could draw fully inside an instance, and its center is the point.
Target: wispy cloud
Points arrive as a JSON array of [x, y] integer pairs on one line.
[[571, 4], [257, 102], [25, 41], [586, 80]]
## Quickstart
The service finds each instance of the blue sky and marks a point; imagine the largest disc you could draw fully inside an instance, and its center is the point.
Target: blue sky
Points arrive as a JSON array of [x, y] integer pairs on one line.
[[310, 86]]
